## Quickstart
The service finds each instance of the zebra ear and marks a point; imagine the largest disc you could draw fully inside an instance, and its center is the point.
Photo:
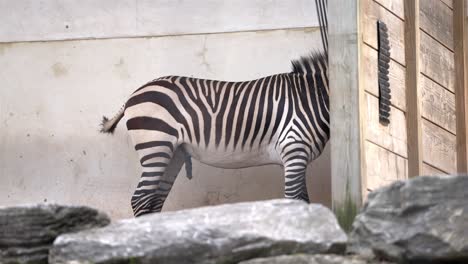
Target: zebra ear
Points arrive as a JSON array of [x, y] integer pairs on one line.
[[383, 69]]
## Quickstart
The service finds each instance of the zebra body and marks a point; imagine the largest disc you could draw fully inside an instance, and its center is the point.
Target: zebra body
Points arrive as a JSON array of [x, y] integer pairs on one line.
[[280, 119]]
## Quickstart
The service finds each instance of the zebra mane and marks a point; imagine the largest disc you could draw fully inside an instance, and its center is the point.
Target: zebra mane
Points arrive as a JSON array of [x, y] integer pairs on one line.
[[307, 64]]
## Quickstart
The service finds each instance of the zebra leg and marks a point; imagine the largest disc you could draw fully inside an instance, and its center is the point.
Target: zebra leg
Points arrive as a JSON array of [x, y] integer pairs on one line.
[[154, 186], [295, 182], [295, 160]]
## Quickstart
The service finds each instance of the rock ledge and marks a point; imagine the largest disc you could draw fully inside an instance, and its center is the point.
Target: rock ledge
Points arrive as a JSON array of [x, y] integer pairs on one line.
[[27, 232], [226, 233]]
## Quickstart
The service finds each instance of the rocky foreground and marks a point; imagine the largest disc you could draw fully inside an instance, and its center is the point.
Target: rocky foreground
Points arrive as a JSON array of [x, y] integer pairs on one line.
[[27, 232], [423, 220]]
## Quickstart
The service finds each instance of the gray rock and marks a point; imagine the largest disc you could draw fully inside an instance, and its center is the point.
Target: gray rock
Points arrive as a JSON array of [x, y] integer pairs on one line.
[[218, 234], [27, 232], [312, 259], [424, 219]]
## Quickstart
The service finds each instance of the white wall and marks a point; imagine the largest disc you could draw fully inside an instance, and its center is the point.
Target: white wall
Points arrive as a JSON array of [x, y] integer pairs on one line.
[[39, 20], [54, 93]]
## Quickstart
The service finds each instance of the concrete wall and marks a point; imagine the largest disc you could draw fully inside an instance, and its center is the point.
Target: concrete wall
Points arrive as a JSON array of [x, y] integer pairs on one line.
[[59, 80]]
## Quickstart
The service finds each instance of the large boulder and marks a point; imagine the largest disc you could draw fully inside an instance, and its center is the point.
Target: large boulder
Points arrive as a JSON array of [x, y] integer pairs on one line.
[[226, 233], [422, 220], [313, 259], [27, 232]]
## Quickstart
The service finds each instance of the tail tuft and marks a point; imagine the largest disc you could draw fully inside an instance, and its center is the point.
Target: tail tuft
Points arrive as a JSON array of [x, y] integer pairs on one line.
[[107, 126]]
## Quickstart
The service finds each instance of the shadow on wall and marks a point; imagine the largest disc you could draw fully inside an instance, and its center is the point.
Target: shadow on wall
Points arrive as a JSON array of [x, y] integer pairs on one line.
[[211, 186], [49, 169]]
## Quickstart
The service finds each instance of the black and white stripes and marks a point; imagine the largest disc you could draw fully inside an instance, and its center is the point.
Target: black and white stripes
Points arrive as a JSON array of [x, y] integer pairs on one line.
[[279, 119]]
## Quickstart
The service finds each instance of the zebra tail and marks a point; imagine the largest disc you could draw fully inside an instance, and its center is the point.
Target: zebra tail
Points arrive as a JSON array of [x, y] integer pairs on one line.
[[109, 125]]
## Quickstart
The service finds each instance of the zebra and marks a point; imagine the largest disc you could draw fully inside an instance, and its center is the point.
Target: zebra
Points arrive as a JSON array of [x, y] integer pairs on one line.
[[279, 119]]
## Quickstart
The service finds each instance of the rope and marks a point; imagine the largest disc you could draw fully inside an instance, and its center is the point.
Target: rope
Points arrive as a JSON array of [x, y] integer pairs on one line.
[[321, 7]]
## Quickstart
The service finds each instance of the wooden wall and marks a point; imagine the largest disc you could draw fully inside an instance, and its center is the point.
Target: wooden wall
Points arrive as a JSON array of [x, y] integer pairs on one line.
[[437, 89], [385, 145], [423, 107], [427, 133]]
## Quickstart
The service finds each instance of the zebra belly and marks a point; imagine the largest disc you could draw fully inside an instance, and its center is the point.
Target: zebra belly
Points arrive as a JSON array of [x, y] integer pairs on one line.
[[234, 159]]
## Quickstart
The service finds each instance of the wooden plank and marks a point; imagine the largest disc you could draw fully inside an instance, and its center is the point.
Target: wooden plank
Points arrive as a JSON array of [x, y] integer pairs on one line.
[[372, 13], [391, 136], [396, 6], [449, 3], [428, 170], [383, 166], [437, 62], [413, 110], [461, 83], [32, 20], [346, 97], [466, 63], [396, 75], [438, 104], [439, 147], [436, 20]]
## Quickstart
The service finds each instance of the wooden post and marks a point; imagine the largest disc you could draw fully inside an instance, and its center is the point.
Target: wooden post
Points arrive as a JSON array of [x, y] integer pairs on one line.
[[461, 89], [413, 102], [346, 106]]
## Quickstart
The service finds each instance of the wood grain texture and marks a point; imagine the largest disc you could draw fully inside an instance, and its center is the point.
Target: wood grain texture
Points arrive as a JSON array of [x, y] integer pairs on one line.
[[428, 170], [346, 96], [413, 110], [391, 136], [396, 76], [383, 166], [396, 6], [449, 3], [436, 20], [437, 62], [461, 89], [372, 13], [438, 104], [439, 147]]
